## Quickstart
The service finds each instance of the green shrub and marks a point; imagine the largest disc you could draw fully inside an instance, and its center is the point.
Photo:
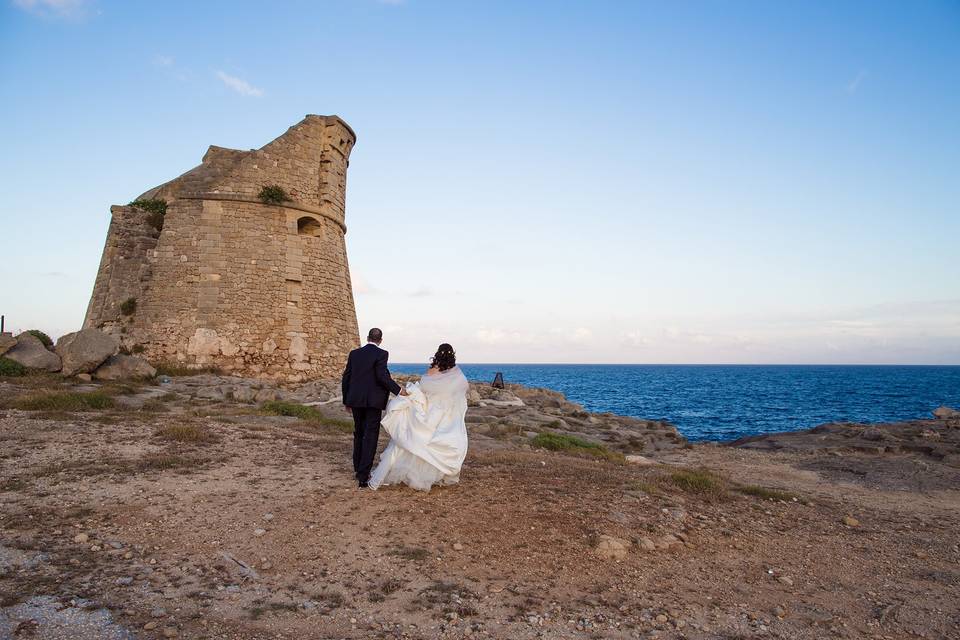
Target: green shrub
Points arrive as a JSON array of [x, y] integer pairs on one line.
[[698, 481], [156, 209], [42, 337], [305, 413], [151, 205], [10, 367], [281, 408], [273, 194], [128, 306], [64, 401], [573, 444]]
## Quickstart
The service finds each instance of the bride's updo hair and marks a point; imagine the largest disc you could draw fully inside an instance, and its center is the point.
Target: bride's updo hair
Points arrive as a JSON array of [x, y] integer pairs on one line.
[[445, 358]]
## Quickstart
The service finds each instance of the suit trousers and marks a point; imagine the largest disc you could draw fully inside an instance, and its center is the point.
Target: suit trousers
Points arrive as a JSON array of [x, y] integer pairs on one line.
[[366, 433]]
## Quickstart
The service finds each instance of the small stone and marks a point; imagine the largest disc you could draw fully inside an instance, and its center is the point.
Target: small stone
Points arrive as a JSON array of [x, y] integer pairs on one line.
[[95, 547], [150, 626], [647, 544], [785, 580], [124, 581], [128, 555], [611, 548], [268, 517], [158, 613], [850, 521], [661, 618], [457, 546], [84, 377], [780, 612], [169, 632], [81, 538], [259, 532]]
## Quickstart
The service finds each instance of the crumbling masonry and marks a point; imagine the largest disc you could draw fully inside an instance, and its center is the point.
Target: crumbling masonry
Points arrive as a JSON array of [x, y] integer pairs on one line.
[[256, 289]]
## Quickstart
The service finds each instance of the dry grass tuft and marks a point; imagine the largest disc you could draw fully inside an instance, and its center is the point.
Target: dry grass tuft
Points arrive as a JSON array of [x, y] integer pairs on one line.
[[574, 445], [64, 401], [699, 481], [191, 433], [305, 413]]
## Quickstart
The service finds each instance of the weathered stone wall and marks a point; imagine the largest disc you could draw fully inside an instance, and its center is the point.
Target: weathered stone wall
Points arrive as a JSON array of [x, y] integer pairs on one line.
[[256, 289], [125, 268]]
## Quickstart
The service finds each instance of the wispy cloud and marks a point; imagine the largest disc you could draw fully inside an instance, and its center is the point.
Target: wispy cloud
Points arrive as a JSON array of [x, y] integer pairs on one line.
[[163, 61], [239, 85], [362, 286], [854, 84], [53, 8]]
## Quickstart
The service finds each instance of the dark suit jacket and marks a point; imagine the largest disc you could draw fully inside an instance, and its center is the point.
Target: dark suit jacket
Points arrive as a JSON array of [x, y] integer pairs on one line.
[[366, 381]]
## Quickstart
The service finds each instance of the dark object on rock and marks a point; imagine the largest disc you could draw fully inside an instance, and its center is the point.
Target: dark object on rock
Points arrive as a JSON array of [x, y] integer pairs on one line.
[[498, 381]]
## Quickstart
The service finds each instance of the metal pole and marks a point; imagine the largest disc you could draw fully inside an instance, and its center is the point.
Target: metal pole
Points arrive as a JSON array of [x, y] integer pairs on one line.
[[2, 322]]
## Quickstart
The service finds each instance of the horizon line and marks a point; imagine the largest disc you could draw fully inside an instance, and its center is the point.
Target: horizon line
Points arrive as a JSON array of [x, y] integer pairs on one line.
[[699, 364]]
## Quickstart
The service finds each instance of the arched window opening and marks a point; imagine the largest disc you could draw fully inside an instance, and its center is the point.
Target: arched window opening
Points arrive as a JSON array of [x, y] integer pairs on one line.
[[307, 226]]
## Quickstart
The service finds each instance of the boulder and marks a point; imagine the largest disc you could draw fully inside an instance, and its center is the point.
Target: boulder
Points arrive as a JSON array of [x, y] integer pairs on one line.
[[85, 350], [31, 353], [640, 460], [7, 342], [612, 548], [945, 413], [473, 398], [123, 367]]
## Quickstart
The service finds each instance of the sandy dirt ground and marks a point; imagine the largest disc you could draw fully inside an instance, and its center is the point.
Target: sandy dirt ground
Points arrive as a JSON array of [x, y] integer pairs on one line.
[[208, 519]]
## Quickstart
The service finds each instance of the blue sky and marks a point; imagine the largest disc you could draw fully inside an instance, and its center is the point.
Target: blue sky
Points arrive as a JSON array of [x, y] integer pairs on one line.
[[533, 181]]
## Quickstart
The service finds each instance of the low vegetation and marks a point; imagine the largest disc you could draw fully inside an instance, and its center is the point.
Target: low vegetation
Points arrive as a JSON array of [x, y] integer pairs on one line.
[[41, 336], [190, 433], [273, 194], [128, 306], [305, 413], [10, 367], [575, 445], [175, 369], [697, 481], [156, 209], [64, 401], [416, 554]]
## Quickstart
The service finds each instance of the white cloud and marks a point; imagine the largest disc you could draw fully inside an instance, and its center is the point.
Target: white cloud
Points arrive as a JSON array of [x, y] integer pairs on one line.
[[362, 286], [854, 84], [163, 61], [239, 85], [54, 8]]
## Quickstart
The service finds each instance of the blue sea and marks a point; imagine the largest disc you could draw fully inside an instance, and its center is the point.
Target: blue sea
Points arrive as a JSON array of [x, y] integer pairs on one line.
[[725, 402]]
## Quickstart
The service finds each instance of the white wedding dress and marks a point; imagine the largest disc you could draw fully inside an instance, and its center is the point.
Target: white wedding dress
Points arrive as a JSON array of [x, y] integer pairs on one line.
[[428, 436]]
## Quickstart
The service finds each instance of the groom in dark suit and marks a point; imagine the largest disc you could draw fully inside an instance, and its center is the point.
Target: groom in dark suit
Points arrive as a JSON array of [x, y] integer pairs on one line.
[[367, 386]]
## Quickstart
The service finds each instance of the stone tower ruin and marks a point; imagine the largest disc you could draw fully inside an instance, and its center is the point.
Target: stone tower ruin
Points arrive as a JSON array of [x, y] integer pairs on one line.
[[223, 278]]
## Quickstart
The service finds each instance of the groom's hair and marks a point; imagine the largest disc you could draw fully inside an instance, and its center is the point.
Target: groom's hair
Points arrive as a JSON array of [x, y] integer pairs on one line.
[[375, 335]]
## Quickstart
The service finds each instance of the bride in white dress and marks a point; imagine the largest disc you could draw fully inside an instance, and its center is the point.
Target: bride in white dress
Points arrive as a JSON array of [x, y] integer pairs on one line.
[[428, 436]]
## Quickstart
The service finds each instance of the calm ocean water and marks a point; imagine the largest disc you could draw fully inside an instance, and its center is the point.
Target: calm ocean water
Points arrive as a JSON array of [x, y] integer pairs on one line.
[[724, 402]]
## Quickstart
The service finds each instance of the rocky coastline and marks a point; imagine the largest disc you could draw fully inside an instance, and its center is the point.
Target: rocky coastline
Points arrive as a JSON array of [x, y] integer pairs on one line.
[[211, 506]]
